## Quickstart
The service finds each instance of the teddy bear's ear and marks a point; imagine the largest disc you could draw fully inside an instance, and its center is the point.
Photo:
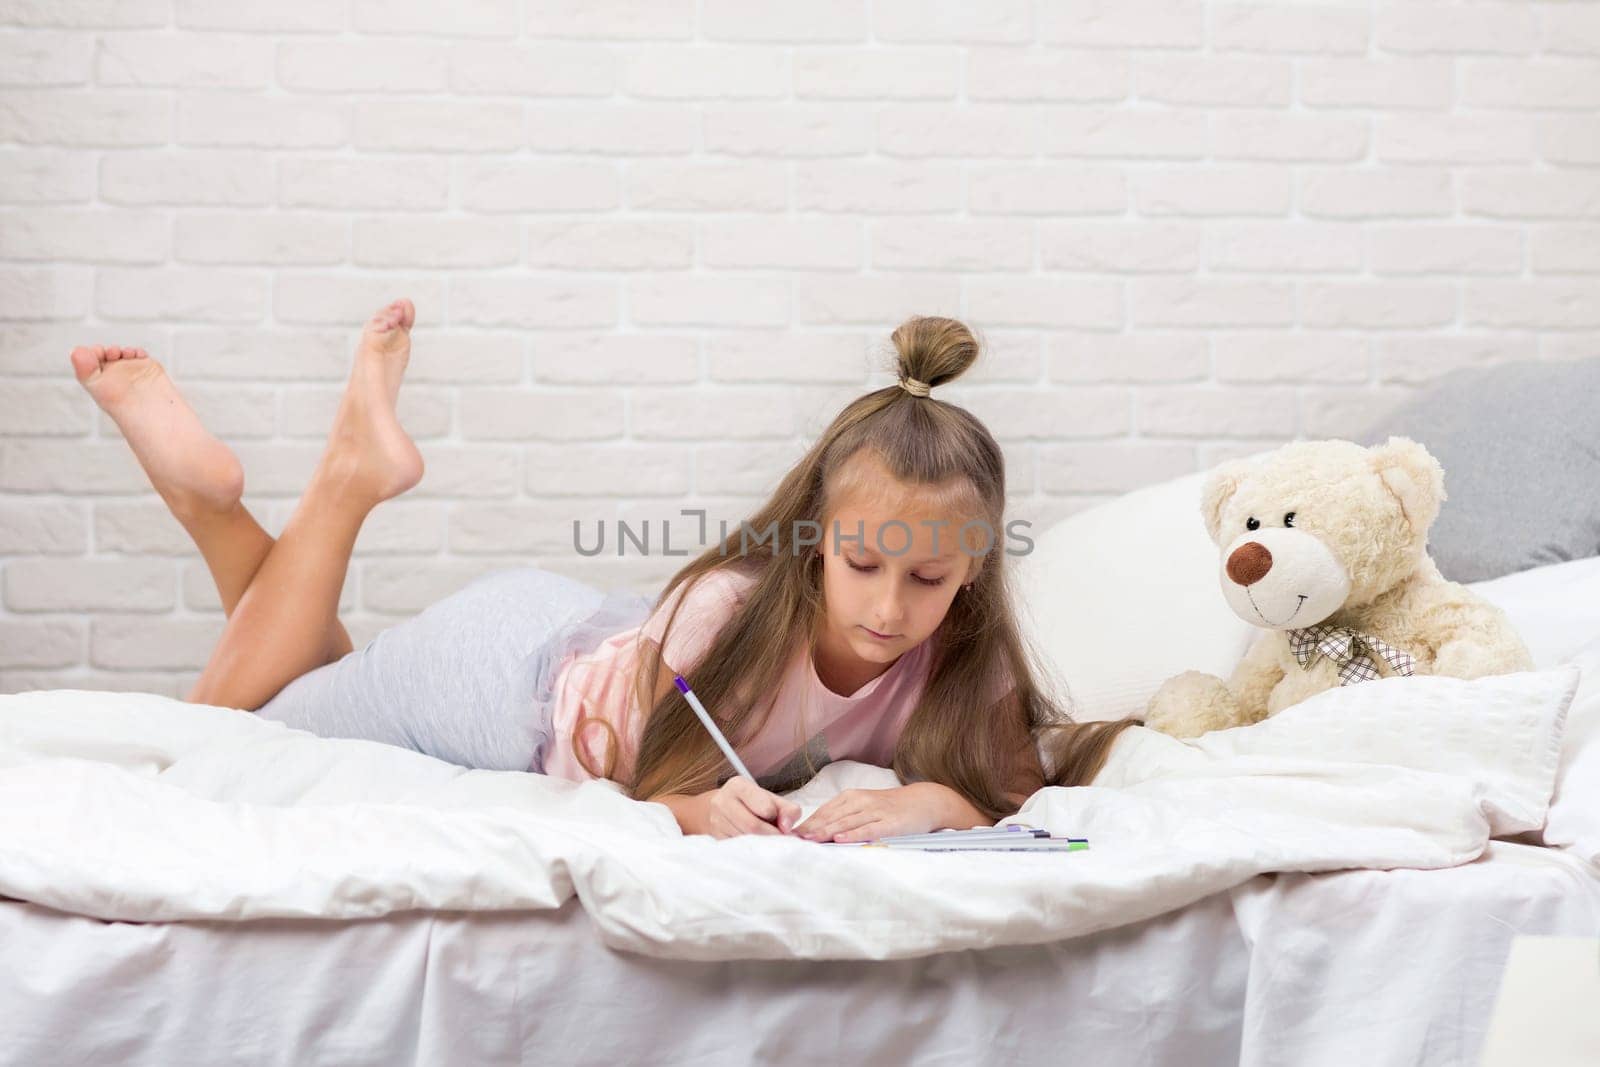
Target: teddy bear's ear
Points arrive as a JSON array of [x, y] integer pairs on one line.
[[1220, 485], [1414, 477]]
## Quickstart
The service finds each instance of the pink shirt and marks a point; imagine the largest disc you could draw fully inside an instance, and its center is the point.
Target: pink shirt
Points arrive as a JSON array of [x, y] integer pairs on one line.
[[806, 714]]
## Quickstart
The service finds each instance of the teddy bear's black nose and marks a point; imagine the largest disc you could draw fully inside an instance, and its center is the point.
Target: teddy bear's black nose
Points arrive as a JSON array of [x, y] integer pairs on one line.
[[1249, 563]]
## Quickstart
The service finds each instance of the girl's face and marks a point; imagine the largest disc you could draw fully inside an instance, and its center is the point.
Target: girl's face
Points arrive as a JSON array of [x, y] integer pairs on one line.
[[889, 589]]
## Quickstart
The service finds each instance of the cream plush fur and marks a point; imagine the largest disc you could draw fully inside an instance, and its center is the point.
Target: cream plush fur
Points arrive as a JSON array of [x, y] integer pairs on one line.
[[1340, 538]]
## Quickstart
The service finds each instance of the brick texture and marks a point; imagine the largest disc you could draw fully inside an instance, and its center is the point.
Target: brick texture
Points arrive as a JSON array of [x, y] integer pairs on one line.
[[655, 246]]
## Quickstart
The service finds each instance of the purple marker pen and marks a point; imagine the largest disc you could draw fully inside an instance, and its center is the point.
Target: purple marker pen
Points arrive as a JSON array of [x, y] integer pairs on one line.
[[711, 727]]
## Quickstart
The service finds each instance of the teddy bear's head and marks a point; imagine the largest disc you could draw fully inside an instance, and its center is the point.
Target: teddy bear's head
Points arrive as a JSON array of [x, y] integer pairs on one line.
[[1320, 525]]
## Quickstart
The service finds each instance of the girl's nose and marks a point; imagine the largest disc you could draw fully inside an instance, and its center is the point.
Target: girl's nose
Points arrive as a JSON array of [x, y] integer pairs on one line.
[[889, 616]]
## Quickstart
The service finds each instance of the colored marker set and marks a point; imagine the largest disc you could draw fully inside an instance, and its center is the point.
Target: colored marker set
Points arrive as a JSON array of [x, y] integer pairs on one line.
[[1017, 837]]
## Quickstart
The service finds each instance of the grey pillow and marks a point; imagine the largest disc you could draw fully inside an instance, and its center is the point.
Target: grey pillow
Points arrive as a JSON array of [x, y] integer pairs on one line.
[[1520, 447]]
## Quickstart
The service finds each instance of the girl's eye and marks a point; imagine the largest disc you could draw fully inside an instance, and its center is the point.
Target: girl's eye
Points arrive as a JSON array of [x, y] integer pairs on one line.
[[918, 578], [1288, 520], [1252, 523]]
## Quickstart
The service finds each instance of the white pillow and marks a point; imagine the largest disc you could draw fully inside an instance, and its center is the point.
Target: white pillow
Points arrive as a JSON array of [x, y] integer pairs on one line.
[[1556, 609], [1122, 596]]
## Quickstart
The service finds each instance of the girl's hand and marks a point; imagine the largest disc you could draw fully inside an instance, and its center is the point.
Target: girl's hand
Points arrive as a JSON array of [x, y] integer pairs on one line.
[[742, 807], [867, 814]]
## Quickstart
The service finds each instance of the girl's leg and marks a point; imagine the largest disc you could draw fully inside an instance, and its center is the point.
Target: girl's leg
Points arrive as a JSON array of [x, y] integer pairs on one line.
[[280, 597], [198, 476], [278, 630], [234, 547]]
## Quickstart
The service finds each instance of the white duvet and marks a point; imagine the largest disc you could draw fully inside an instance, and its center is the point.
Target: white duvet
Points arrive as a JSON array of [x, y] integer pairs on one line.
[[139, 807]]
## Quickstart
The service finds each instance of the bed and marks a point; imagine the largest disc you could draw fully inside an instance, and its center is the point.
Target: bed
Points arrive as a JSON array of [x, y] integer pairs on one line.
[[1315, 965], [1342, 883], [541, 988], [1184, 988]]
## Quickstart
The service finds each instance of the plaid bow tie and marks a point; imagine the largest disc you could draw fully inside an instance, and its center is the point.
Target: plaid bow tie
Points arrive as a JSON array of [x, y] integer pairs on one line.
[[1347, 650]]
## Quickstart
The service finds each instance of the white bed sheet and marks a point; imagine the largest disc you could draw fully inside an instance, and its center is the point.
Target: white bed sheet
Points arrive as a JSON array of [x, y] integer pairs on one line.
[[1370, 967], [487, 988], [1398, 967]]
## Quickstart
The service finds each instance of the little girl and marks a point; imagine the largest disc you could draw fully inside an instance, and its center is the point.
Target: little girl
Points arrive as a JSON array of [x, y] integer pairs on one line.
[[888, 639]]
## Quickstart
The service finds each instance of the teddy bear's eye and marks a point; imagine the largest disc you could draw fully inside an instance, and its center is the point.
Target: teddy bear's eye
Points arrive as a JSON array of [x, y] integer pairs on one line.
[[1252, 523], [1288, 520]]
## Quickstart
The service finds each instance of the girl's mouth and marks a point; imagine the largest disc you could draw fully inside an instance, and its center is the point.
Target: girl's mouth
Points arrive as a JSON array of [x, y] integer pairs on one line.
[[880, 637]]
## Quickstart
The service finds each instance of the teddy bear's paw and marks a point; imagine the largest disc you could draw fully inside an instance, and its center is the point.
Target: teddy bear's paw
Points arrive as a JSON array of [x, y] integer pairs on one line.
[[1478, 659], [1191, 704]]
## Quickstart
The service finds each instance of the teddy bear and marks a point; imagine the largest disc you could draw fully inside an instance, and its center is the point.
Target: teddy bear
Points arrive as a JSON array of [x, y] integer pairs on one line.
[[1324, 546]]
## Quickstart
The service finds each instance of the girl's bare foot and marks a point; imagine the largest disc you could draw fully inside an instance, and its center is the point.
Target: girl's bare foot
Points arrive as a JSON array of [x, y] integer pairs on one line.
[[192, 470], [369, 454]]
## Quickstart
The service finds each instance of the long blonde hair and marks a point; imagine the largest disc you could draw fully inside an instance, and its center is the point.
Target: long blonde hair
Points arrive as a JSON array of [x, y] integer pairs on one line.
[[991, 756]]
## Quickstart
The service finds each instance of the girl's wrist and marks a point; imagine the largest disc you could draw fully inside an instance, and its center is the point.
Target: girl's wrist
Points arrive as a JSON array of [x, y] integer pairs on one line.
[[952, 810], [690, 809]]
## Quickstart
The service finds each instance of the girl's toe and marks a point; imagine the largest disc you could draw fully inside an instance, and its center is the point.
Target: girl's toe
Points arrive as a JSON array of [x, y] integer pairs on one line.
[[84, 361]]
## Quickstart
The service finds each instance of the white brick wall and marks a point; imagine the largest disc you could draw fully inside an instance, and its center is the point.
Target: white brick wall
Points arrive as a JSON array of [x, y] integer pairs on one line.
[[655, 244]]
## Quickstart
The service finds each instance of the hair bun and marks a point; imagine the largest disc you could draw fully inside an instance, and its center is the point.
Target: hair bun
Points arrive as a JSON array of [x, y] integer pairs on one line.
[[933, 350]]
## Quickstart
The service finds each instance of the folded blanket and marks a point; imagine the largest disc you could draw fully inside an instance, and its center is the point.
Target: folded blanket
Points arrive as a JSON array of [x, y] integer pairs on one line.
[[139, 807]]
